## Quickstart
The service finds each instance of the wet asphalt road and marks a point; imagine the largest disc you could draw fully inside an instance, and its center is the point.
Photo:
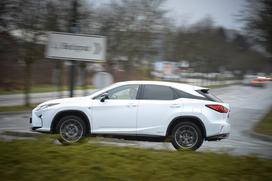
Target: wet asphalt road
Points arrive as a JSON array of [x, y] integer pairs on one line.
[[248, 105]]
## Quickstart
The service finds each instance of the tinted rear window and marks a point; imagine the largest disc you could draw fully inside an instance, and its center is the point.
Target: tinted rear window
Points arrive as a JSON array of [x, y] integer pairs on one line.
[[182, 94], [157, 92]]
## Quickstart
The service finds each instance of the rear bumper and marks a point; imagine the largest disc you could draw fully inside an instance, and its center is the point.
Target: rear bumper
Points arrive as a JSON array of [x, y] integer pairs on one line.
[[217, 137], [217, 128]]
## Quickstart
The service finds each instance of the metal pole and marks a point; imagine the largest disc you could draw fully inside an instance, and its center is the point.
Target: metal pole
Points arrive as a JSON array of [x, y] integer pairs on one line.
[[72, 77], [73, 29]]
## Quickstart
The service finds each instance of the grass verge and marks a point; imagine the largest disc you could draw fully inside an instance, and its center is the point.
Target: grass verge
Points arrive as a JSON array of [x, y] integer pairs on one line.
[[17, 108], [42, 160], [41, 88], [265, 125]]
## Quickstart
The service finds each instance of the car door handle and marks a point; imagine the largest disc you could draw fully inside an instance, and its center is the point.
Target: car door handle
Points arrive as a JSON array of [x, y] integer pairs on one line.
[[175, 106]]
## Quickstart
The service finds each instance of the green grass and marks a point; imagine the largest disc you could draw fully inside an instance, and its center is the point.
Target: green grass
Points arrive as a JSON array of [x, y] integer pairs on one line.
[[41, 88], [17, 108], [265, 125], [42, 160]]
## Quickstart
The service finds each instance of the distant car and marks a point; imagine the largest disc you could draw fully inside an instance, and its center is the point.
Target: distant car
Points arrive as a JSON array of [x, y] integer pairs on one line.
[[183, 114], [259, 82], [248, 78], [265, 78]]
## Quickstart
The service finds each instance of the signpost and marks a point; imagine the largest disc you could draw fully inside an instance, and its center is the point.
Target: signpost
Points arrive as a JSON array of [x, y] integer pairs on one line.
[[69, 46], [75, 47]]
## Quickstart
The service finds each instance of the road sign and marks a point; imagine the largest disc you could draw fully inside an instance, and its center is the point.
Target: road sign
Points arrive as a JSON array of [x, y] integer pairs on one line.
[[70, 46]]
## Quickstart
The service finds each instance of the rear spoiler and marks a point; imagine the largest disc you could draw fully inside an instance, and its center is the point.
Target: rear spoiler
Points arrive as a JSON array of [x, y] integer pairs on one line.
[[204, 90], [201, 88]]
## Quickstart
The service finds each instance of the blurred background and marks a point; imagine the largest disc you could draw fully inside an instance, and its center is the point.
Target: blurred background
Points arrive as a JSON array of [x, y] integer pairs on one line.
[[208, 43], [225, 45]]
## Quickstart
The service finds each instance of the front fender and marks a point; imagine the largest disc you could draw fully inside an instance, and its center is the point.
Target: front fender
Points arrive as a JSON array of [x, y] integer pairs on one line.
[[52, 115]]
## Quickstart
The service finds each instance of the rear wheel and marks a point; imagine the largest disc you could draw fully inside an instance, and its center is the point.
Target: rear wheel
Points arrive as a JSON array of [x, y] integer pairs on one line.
[[186, 135], [71, 129]]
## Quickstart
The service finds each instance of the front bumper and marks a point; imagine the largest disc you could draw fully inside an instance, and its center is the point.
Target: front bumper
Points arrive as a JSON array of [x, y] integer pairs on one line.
[[36, 123], [33, 128], [36, 120]]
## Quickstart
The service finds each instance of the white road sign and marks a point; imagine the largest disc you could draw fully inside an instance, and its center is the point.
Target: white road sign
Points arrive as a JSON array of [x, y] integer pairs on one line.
[[70, 46]]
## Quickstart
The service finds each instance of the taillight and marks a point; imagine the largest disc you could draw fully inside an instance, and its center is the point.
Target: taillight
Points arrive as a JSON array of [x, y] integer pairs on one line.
[[218, 108]]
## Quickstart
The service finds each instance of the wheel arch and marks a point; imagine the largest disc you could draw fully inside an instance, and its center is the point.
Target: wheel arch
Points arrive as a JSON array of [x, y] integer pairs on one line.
[[180, 119], [61, 114]]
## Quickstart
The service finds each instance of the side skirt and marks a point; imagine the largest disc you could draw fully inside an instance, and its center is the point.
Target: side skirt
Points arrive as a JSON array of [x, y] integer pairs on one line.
[[152, 138]]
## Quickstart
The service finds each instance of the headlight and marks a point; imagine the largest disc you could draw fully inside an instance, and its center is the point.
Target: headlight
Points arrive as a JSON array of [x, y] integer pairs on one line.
[[46, 106]]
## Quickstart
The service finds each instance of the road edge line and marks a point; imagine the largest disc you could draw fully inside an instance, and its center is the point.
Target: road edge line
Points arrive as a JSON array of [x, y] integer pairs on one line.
[[260, 136], [15, 112], [20, 133]]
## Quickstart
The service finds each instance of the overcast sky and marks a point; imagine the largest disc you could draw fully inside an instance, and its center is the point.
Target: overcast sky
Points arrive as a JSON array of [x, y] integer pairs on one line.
[[224, 12], [184, 12]]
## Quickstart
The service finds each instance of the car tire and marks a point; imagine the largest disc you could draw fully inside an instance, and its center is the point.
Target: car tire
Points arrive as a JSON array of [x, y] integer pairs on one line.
[[71, 129], [186, 136]]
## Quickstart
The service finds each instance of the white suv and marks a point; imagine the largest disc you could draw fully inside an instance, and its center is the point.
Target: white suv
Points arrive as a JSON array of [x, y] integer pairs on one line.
[[183, 114]]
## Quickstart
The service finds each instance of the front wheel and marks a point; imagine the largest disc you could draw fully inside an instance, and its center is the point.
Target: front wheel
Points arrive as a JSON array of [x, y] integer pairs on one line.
[[71, 129], [186, 135]]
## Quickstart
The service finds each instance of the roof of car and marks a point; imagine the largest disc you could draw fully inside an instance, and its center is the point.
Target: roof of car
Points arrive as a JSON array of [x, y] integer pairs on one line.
[[171, 84]]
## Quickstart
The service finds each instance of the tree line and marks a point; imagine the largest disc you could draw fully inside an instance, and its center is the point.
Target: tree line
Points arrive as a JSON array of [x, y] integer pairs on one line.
[[138, 33]]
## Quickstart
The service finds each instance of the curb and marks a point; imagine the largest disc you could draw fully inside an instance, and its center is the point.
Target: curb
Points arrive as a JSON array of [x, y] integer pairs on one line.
[[260, 136], [14, 113], [21, 133]]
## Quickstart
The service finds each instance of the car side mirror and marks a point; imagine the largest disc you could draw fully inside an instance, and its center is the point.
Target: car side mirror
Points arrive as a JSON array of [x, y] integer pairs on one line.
[[103, 97]]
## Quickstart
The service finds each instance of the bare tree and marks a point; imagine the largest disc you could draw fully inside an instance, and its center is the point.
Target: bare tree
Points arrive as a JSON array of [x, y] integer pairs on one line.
[[259, 22], [210, 49], [29, 23], [131, 28]]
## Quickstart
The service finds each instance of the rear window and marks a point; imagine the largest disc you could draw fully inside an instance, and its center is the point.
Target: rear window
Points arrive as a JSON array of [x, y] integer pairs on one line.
[[182, 94], [157, 92], [208, 95]]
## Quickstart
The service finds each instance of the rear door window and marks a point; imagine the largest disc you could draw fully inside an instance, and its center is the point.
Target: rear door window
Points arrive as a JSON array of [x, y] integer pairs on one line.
[[157, 92], [182, 94]]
